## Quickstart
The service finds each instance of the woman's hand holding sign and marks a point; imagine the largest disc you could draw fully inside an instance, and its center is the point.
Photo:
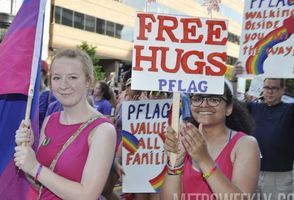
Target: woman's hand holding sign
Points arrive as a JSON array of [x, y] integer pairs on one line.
[[173, 145]]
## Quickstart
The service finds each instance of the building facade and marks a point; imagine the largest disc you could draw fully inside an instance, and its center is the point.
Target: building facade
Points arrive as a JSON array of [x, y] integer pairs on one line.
[[109, 24], [8, 9]]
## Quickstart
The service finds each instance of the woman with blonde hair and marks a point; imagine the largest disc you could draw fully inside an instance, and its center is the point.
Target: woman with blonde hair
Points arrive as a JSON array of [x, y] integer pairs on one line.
[[76, 145]]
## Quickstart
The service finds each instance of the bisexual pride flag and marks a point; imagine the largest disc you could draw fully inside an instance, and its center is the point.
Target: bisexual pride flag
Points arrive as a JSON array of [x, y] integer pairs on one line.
[[20, 53]]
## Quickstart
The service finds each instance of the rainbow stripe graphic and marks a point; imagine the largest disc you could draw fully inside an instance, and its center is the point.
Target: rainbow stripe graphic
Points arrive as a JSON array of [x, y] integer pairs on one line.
[[162, 137], [130, 142], [254, 64], [158, 180]]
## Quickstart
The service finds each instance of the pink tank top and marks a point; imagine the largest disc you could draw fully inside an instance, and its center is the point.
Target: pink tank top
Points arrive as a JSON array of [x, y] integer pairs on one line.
[[194, 185], [71, 162]]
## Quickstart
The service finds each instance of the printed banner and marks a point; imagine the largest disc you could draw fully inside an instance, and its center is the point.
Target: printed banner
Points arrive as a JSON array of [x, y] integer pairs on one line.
[[256, 86]]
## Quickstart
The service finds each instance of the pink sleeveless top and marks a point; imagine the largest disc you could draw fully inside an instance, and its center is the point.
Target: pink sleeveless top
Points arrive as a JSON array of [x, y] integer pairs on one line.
[[71, 162], [194, 185]]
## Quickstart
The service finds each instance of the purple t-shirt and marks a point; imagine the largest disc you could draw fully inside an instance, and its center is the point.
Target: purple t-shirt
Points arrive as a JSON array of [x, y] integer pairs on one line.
[[103, 106]]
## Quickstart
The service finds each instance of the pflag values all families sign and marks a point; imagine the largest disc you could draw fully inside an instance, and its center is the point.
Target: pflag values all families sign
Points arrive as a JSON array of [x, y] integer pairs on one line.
[[144, 125], [267, 38], [179, 54]]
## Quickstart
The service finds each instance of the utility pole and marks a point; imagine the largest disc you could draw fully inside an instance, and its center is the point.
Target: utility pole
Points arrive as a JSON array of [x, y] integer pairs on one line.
[[11, 6]]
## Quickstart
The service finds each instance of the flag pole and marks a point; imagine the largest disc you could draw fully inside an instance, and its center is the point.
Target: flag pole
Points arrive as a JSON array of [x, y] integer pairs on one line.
[[146, 6], [175, 123], [28, 107], [36, 57]]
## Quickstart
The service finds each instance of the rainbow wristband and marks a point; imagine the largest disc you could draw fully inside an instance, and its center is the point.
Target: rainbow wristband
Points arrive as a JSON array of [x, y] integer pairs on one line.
[[38, 172], [178, 170], [208, 174]]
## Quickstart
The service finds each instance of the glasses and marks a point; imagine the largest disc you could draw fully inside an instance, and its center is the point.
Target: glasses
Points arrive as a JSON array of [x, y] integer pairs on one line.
[[212, 100], [274, 89]]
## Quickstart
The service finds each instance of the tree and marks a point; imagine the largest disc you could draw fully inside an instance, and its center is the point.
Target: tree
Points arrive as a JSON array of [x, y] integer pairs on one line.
[[290, 87], [91, 51]]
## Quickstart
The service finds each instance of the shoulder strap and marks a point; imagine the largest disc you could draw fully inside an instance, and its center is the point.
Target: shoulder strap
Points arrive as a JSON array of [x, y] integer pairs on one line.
[[70, 140], [234, 140]]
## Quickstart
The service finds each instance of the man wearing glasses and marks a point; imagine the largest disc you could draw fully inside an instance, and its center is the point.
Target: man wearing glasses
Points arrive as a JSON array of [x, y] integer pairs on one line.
[[274, 132]]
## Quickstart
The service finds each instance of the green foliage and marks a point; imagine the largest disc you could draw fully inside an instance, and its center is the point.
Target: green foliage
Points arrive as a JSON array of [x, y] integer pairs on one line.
[[91, 51], [248, 83], [290, 87]]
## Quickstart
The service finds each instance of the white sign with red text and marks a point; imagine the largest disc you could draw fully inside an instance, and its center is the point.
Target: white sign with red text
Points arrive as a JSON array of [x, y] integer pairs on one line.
[[266, 44], [144, 125], [179, 54]]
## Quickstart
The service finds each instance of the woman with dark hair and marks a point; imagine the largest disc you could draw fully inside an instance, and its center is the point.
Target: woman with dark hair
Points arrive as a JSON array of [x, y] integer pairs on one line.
[[215, 158], [102, 96]]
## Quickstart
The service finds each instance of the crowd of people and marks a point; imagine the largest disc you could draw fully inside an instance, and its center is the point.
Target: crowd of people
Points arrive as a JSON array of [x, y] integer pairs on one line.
[[224, 147]]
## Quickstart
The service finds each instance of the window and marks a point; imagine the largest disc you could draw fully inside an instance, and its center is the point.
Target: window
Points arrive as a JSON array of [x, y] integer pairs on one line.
[[58, 15], [118, 29], [79, 20], [110, 26], [67, 17], [90, 23], [100, 26]]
